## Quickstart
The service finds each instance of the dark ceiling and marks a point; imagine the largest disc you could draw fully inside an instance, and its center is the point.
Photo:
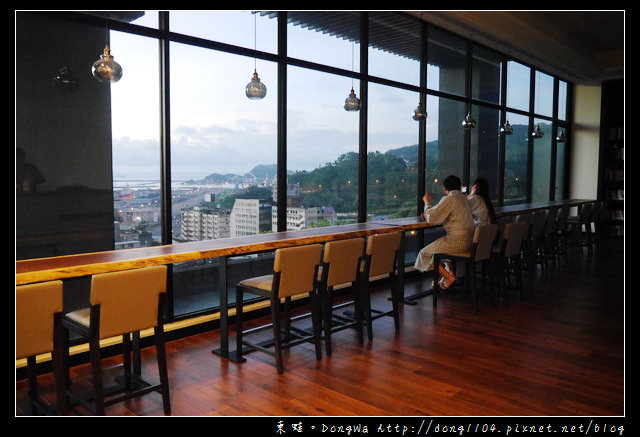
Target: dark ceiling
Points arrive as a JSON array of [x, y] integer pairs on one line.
[[579, 46]]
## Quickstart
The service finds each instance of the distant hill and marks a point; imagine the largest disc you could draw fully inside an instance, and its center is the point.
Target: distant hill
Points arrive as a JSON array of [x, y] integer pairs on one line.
[[409, 154]]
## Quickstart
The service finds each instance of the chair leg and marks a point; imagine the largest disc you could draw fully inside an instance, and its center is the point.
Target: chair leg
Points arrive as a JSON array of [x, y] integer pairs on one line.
[[316, 314], [277, 340], [358, 298], [518, 275], [239, 305], [436, 278], [126, 361], [32, 376], [96, 374], [324, 298], [368, 320], [162, 368], [473, 283], [394, 302]]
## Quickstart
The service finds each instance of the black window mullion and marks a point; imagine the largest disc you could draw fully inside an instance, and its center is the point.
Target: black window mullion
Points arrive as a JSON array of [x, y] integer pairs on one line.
[[364, 100], [282, 123]]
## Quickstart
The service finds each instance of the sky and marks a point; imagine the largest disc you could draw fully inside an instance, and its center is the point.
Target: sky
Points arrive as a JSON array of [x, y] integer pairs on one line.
[[216, 129]]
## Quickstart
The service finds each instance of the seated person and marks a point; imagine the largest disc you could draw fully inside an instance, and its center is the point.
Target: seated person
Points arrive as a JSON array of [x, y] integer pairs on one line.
[[453, 212]]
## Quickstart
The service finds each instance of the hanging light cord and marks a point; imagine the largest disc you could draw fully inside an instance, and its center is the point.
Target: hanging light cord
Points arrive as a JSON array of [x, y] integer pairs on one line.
[[255, 40]]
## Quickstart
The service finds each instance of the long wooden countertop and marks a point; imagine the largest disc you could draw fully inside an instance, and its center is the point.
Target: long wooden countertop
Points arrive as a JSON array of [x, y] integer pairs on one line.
[[69, 266], [60, 267]]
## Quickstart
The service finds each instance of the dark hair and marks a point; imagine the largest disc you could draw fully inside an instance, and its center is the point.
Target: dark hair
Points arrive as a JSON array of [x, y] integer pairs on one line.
[[452, 182], [482, 190]]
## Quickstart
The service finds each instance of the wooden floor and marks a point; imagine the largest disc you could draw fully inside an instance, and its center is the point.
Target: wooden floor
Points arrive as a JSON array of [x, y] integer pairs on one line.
[[558, 351]]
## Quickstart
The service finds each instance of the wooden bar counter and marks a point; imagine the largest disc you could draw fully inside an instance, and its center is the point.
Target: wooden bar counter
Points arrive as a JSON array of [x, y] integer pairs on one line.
[[69, 266]]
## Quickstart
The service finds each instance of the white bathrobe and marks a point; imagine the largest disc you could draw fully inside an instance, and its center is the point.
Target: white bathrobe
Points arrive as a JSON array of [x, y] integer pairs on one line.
[[453, 212]]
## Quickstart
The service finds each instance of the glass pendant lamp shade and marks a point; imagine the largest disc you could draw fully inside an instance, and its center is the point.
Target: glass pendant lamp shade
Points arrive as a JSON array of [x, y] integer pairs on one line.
[[506, 128], [106, 69], [468, 122], [64, 81], [352, 103], [255, 89], [419, 113], [537, 133], [562, 137]]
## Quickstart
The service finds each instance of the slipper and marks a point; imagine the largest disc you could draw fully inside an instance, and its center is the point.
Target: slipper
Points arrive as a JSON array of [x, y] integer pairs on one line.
[[448, 278]]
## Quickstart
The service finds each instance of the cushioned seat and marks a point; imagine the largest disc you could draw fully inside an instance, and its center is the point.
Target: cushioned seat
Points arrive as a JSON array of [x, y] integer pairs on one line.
[[580, 227], [122, 303], [341, 262], [509, 258], [295, 273], [381, 259], [38, 310]]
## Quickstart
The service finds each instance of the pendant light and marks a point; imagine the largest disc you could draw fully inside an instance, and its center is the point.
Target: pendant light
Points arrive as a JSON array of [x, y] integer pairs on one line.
[[506, 128], [352, 103], [419, 113], [562, 137], [255, 90], [106, 69], [468, 122], [537, 133]]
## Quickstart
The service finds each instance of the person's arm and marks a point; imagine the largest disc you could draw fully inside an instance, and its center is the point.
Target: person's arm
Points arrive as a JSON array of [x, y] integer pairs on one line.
[[437, 214]]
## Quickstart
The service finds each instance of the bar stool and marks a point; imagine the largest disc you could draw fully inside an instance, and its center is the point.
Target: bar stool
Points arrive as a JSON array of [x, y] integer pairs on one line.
[[341, 261], [295, 273], [38, 331], [381, 258], [509, 259], [578, 222], [122, 303], [550, 236], [533, 241], [561, 230], [479, 254], [596, 220]]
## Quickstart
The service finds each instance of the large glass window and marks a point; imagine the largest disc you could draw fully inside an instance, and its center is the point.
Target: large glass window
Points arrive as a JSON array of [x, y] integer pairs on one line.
[[561, 162], [562, 100], [518, 86], [395, 47], [445, 142], [515, 160], [392, 153], [135, 115], [322, 150], [543, 94], [541, 162], [249, 29], [324, 37], [447, 62], [486, 74], [485, 138], [223, 160]]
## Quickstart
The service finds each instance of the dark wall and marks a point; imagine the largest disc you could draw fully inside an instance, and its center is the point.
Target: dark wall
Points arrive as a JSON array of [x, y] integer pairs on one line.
[[64, 201]]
